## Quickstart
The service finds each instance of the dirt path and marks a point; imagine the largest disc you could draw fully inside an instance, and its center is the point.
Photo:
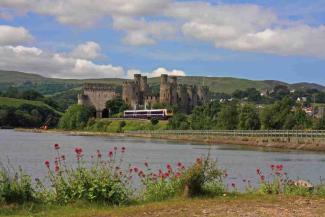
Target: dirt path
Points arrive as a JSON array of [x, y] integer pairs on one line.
[[248, 207]]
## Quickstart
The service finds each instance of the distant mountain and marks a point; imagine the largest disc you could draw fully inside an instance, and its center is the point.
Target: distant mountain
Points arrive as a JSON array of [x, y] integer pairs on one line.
[[217, 84]]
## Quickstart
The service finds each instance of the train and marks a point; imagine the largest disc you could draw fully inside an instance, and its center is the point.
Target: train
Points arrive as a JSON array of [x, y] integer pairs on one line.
[[162, 114]]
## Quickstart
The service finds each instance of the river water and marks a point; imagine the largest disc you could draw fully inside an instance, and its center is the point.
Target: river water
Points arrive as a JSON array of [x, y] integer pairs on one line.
[[30, 150]]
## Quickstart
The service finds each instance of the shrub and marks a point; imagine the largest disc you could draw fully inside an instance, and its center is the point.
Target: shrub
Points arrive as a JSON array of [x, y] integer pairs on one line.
[[103, 182], [17, 188], [154, 121], [204, 178]]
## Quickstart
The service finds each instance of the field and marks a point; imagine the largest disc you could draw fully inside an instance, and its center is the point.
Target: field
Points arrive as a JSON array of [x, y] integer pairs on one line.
[[4, 101], [245, 205]]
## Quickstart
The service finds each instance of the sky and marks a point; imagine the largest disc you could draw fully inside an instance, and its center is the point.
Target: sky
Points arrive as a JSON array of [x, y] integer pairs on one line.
[[259, 40]]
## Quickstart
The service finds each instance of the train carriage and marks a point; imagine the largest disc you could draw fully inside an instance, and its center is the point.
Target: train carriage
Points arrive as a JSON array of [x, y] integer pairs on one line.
[[148, 114]]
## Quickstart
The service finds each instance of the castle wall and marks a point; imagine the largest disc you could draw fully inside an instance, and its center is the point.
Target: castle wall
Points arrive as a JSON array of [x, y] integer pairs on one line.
[[165, 90], [96, 95]]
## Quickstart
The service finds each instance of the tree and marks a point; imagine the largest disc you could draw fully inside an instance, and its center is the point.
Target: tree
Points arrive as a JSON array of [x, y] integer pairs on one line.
[[116, 106], [31, 95], [178, 122], [205, 117], [248, 118], [228, 117], [274, 116], [76, 117]]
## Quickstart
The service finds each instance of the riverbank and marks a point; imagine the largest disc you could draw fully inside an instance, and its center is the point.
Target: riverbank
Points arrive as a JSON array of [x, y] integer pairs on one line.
[[291, 143], [244, 205]]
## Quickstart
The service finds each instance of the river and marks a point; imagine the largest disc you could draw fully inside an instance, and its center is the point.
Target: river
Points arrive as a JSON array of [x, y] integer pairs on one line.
[[30, 150]]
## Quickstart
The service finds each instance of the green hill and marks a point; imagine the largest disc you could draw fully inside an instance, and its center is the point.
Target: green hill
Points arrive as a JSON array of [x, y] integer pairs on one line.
[[52, 86]]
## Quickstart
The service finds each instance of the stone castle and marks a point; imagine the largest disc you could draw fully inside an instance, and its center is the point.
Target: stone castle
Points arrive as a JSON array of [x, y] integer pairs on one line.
[[138, 95]]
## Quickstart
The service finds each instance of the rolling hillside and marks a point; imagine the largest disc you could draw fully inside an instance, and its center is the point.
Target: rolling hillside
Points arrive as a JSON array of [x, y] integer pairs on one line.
[[52, 86]]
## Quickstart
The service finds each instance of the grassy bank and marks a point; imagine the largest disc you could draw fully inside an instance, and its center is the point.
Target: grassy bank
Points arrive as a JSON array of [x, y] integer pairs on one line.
[[118, 126], [244, 205]]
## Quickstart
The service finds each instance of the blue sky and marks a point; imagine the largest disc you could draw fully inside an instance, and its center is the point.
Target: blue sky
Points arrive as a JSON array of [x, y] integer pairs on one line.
[[278, 40]]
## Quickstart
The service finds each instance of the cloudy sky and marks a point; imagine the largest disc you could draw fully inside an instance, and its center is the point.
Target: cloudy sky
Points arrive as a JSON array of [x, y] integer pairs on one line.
[[265, 39]]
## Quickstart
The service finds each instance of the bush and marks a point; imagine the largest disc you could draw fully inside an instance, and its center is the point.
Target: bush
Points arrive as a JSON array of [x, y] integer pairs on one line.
[[204, 178], [17, 188], [154, 121], [103, 182]]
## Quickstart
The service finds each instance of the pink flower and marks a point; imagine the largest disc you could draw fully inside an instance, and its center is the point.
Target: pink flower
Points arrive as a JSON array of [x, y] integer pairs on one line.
[[47, 163], [78, 151], [110, 154], [262, 178], [99, 155], [146, 164], [272, 167], [169, 167], [279, 167], [136, 169], [62, 157], [258, 171], [233, 185], [178, 174], [56, 146], [123, 149], [179, 164], [57, 168]]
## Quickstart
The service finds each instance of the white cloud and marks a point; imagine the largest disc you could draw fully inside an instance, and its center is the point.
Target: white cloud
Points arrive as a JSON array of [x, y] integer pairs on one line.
[[10, 35], [89, 50], [31, 59], [142, 32], [156, 73]]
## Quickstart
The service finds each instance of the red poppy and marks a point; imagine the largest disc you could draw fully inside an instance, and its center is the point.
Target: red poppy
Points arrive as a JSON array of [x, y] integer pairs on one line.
[[179, 164], [169, 167], [279, 167], [272, 167]]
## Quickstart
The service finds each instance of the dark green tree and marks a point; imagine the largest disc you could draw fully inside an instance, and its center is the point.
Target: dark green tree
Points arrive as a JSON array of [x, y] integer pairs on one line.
[[178, 122], [228, 117], [116, 106], [76, 117], [249, 118]]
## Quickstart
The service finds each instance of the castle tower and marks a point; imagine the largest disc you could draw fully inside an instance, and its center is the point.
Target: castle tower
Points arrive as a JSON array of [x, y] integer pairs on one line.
[[165, 93], [203, 95], [173, 91], [182, 97], [131, 94]]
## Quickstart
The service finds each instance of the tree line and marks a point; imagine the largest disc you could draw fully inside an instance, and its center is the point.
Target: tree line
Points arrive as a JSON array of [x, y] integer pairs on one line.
[[285, 114]]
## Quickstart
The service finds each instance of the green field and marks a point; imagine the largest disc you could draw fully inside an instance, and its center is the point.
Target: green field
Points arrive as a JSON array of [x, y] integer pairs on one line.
[[11, 102]]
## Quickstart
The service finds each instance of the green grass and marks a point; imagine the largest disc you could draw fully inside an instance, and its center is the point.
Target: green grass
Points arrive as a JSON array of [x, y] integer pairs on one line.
[[5, 101]]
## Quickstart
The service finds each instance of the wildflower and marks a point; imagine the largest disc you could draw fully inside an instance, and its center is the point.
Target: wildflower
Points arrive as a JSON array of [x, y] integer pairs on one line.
[[99, 155], [146, 164], [136, 169], [47, 163], [262, 178], [258, 171], [169, 167], [131, 170], [56, 146], [233, 185], [178, 174], [57, 168], [279, 167], [110, 154], [63, 157], [123, 149], [272, 167], [78, 151]]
